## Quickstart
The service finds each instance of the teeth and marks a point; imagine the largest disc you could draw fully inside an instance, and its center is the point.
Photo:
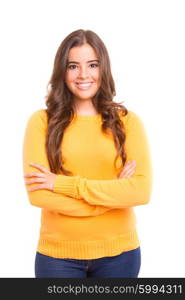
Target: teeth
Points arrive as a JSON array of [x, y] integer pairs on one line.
[[84, 85]]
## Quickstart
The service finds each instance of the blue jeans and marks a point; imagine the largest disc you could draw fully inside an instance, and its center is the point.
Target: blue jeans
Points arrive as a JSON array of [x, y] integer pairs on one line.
[[126, 264]]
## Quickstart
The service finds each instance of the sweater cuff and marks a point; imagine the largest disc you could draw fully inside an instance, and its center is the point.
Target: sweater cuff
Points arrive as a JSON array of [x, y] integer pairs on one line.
[[66, 185]]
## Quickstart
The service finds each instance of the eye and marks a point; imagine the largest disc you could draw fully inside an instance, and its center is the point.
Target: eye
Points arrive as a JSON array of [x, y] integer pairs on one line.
[[92, 65], [72, 67]]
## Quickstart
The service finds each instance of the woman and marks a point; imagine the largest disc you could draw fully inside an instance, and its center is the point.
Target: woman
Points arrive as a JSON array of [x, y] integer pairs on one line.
[[88, 163]]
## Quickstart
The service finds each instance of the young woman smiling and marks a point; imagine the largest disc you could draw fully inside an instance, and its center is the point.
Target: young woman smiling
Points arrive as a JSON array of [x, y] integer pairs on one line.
[[87, 160]]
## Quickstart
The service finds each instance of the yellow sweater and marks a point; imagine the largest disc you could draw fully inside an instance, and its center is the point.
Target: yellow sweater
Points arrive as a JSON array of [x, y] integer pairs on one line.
[[89, 215]]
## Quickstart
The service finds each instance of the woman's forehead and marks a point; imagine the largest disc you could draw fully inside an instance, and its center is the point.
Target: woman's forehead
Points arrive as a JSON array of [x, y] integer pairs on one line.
[[82, 53]]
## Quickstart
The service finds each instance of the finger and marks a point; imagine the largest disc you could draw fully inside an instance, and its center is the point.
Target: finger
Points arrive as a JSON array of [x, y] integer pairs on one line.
[[129, 164], [127, 169], [38, 187], [34, 180], [129, 174], [40, 167], [34, 174], [133, 162]]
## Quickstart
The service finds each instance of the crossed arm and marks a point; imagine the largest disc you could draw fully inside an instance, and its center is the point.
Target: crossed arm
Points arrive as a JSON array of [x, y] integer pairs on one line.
[[122, 192], [34, 151], [77, 196]]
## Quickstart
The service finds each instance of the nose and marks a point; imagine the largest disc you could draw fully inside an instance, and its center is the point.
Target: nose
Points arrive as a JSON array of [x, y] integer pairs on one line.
[[83, 72]]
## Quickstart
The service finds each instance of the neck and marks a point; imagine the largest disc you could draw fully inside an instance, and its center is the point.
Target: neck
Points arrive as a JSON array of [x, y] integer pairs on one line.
[[85, 107]]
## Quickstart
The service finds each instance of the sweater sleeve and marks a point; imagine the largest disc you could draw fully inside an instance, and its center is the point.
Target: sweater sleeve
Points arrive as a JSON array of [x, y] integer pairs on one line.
[[34, 151], [123, 192]]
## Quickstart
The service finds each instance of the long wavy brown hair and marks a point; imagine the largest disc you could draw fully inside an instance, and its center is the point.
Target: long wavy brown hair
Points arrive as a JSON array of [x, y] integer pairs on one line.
[[60, 105]]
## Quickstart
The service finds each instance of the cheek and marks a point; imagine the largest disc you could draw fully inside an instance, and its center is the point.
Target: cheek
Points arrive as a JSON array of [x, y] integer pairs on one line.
[[70, 77], [96, 75]]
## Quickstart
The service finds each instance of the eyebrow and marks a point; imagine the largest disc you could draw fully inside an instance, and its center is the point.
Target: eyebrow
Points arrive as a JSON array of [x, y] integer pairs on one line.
[[76, 62]]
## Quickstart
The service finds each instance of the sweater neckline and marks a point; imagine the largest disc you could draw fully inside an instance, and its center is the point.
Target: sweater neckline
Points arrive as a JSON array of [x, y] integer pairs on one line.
[[87, 118]]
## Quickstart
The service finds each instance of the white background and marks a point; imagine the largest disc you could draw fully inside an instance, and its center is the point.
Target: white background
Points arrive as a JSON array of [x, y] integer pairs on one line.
[[145, 41]]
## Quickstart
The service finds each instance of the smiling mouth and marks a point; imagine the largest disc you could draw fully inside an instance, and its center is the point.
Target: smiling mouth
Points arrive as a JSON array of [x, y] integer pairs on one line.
[[84, 86]]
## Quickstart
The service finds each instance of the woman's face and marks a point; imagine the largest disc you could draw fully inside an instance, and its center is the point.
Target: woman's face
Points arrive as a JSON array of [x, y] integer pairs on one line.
[[82, 75]]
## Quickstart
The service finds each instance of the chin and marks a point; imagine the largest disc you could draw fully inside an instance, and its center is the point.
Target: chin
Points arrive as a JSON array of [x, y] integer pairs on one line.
[[84, 95]]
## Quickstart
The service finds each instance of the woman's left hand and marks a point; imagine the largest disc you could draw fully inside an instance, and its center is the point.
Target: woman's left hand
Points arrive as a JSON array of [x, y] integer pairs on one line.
[[47, 178]]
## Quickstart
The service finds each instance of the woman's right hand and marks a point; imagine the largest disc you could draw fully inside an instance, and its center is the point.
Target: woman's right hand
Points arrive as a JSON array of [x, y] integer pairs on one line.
[[128, 169]]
